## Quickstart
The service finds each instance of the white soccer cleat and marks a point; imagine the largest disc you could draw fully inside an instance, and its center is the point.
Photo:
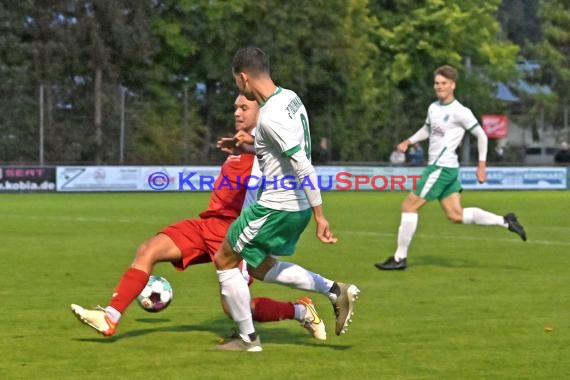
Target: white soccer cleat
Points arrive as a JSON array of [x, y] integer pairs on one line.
[[312, 323], [97, 319]]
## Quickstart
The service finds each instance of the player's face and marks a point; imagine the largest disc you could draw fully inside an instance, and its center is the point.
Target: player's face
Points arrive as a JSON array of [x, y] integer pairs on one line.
[[245, 114], [443, 88]]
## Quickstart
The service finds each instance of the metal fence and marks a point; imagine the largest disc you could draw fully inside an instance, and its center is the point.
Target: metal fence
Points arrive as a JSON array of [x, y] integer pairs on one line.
[[55, 125]]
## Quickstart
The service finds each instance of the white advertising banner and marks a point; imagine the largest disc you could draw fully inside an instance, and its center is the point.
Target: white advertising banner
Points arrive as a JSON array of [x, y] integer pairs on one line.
[[516, 178], [330, 178], [97, 178], [178, 178], [367, 178], [136, 178]]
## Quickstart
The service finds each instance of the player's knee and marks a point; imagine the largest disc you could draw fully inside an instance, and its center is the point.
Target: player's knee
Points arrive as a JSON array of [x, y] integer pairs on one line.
[[257, 273], [144, 258], [224, 262], [143, 253], [405, 206], [261, 270], [455, 216], [411, 204], [218, 261]]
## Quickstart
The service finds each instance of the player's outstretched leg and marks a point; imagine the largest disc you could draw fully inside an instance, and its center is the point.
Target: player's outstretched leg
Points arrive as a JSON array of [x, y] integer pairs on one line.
[[474, 215], [106, 320], [303, 310], [95, 318], [344, 306], [342, 296], [514, 225]]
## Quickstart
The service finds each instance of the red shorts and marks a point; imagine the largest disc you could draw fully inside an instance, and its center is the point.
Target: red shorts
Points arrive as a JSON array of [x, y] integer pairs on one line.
[[197, 239]]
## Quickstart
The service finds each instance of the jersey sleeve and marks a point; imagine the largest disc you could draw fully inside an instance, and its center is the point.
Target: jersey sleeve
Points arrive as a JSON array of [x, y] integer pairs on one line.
[[421, 135], [467, 120], [282, 132]]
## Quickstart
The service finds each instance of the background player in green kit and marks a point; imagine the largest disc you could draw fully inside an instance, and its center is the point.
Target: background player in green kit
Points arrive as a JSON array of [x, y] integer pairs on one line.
[[272, 226], [446, 123]]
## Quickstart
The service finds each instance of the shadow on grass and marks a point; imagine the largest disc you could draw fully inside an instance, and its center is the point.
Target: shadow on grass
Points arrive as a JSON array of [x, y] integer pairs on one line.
[[459, 262], [221, 328]]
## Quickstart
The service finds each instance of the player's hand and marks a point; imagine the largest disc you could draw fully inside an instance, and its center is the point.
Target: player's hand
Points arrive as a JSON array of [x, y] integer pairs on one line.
[[403, 146], [324, 233], [243, 138], [481, 172], [226, 142], [227, 145]]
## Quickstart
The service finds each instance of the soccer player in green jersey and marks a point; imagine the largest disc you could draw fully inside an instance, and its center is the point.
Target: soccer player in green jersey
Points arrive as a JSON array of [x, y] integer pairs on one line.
[[290, 194], [446, 123]]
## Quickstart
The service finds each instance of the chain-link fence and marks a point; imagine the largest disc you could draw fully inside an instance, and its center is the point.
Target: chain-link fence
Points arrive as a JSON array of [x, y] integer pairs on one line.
[[61, 124]]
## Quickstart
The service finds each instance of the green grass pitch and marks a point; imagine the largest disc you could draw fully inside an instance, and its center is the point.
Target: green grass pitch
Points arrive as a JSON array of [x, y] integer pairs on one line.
[[474, 303]]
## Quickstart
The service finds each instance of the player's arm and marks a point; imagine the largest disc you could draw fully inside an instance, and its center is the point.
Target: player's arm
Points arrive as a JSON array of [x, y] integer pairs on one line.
[[307, 175], [245, 142], [482, 140], [421, 135], [242, 142]]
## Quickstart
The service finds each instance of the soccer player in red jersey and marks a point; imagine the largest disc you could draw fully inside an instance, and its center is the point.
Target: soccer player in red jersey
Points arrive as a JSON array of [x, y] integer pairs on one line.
[[195, 241]]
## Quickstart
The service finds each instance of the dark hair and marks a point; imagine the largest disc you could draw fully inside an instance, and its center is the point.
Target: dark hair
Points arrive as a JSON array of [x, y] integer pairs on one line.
[[447, 71], [252, 60]]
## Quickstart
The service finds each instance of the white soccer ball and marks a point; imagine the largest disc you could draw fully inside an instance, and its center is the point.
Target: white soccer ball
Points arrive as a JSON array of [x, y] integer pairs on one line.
[[156, 295]]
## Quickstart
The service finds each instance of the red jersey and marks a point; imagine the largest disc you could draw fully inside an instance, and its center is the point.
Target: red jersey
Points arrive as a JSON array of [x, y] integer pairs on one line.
[[230, 189]]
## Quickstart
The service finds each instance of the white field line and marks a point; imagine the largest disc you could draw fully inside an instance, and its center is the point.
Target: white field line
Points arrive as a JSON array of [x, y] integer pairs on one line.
[[81, 219], [359, 233], [454, 237]]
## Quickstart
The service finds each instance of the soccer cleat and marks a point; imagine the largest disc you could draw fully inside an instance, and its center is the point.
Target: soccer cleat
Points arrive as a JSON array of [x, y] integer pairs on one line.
[[97, 319], [312, 323], [236, 343], [344, 306], [514, 225], [392, 264]]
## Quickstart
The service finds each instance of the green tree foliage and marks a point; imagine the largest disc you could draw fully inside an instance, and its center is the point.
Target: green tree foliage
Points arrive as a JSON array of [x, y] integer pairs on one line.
[[362, 67], [114, 42], [317, 54], [415, 37], [323, 51], [80, 51], [20, 55], [554, 52], [520, 22]]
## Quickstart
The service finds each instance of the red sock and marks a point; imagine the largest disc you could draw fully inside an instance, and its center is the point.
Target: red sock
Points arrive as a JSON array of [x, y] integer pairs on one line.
[[270, 310], [129, 287]]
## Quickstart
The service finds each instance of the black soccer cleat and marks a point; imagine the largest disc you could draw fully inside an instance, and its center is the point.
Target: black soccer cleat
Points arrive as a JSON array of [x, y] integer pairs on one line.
[[514, 225], [392, 264]]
